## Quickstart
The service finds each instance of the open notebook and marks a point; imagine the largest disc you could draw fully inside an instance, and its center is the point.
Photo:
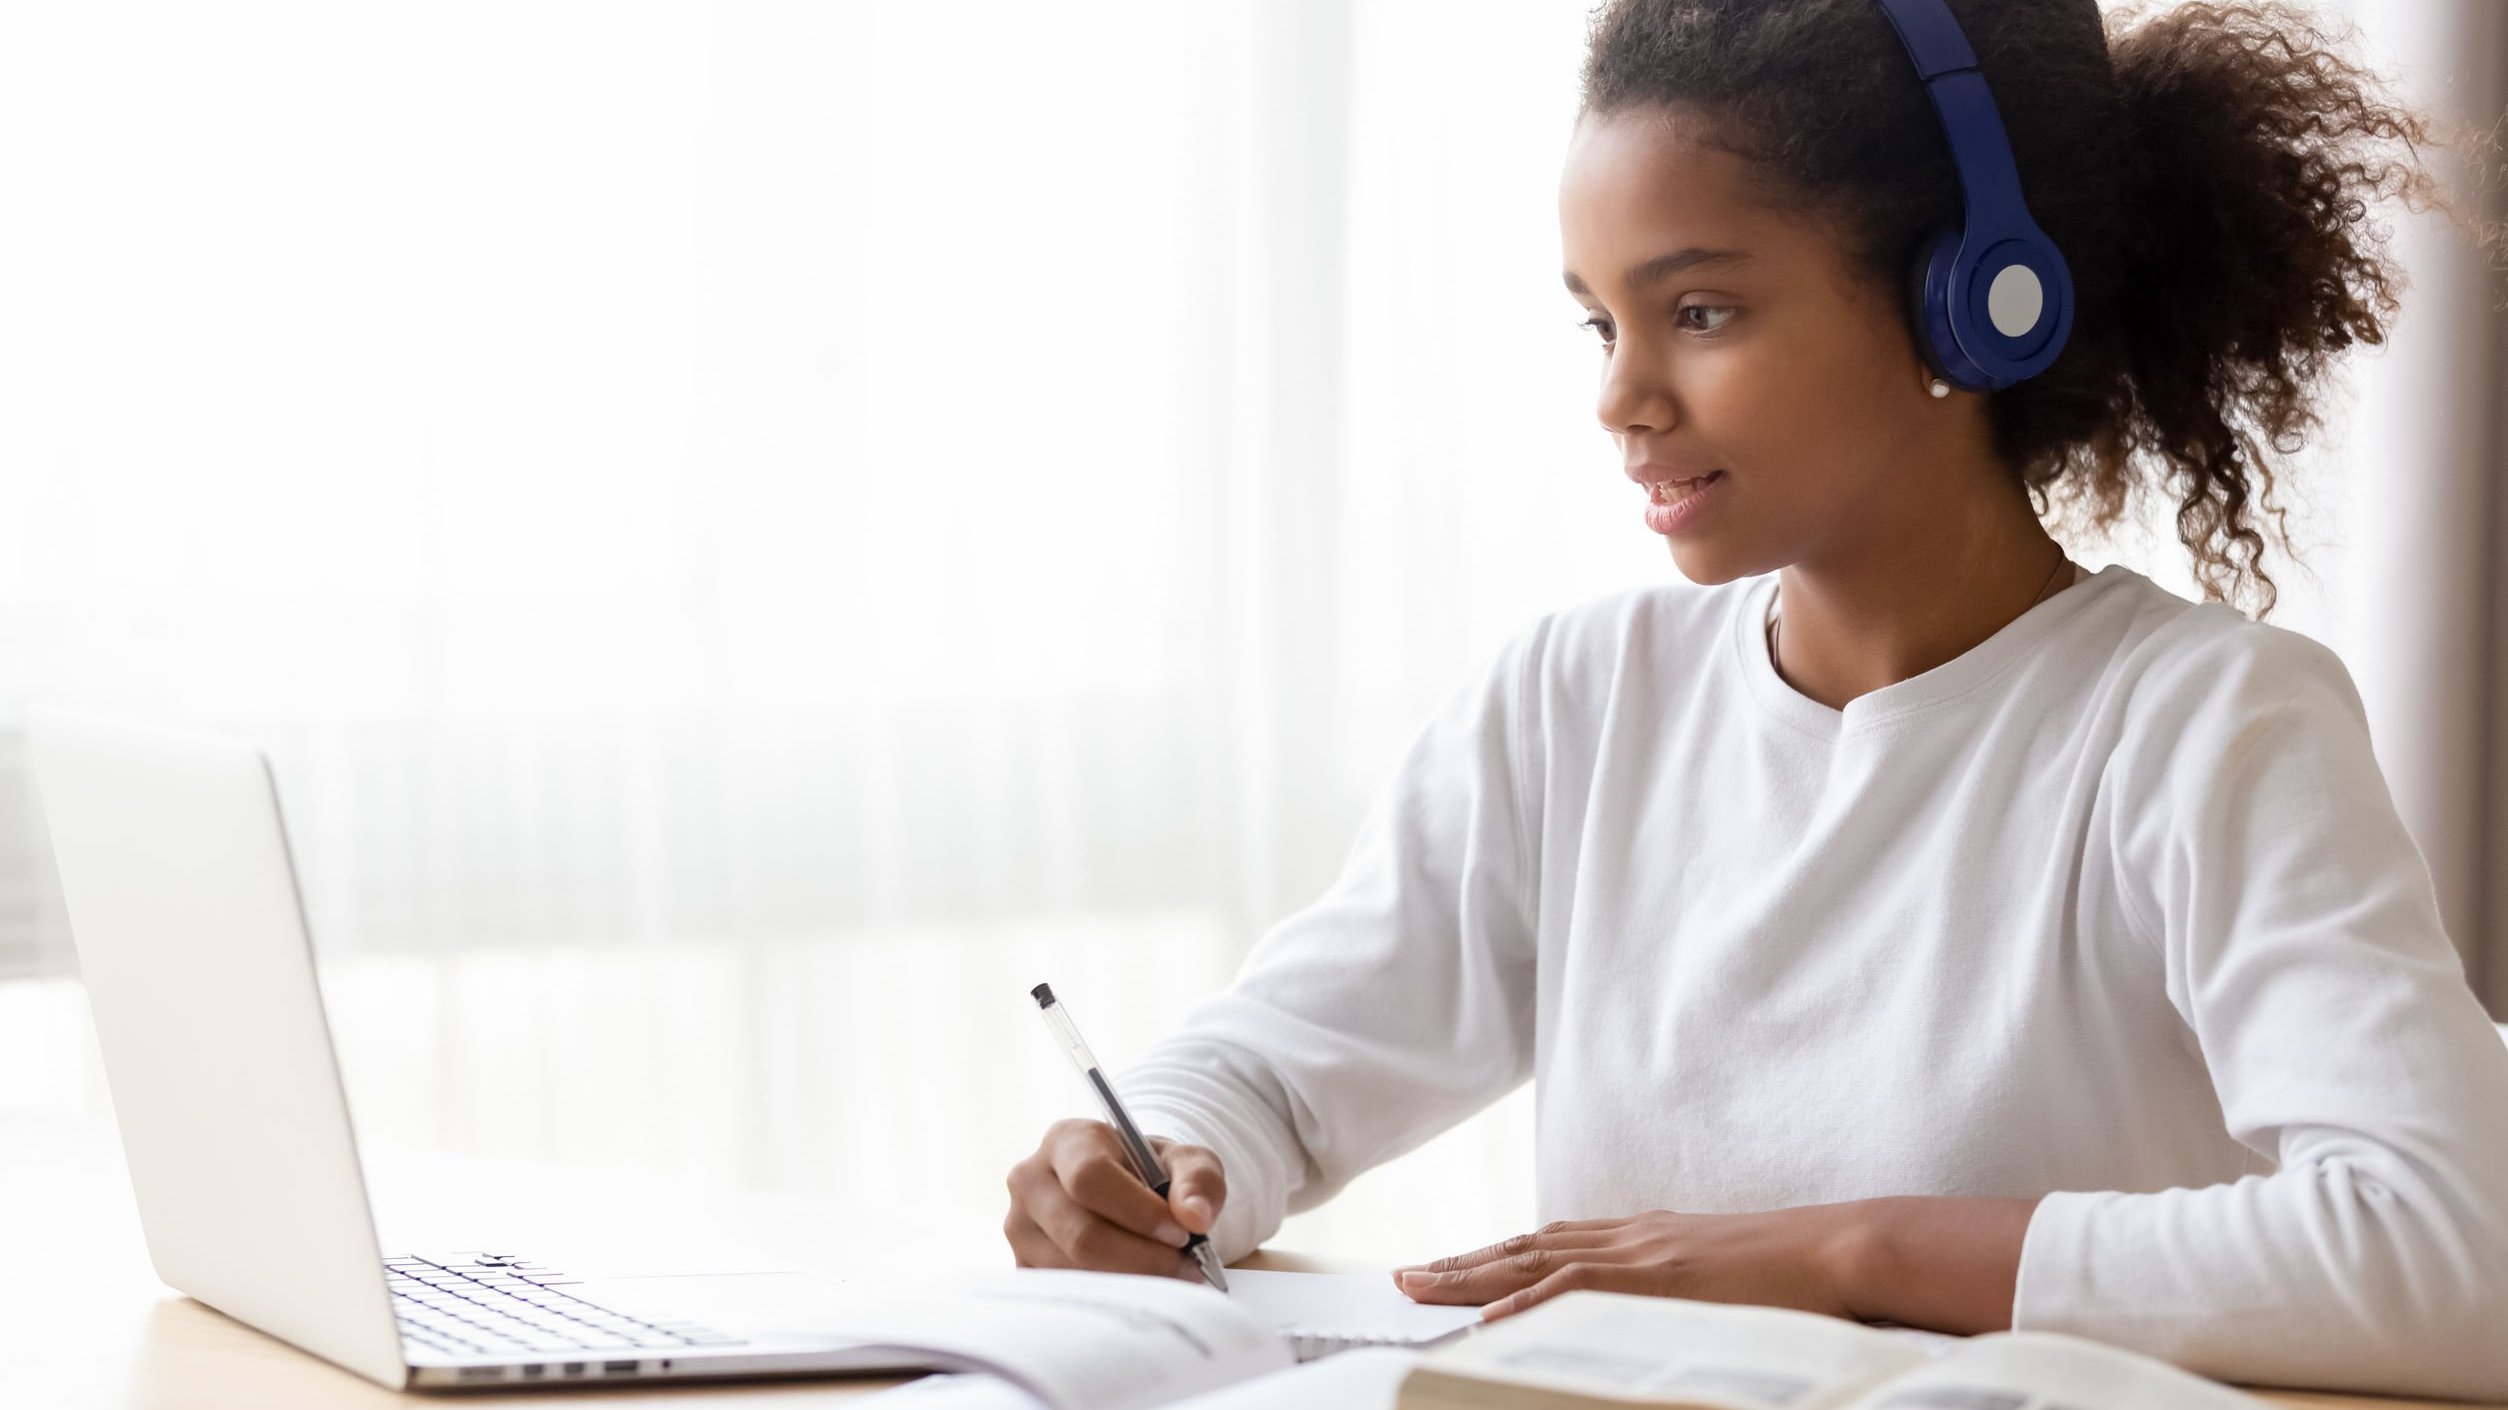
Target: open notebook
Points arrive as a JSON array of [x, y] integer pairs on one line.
[[1044, 1339], [1321, 1313]]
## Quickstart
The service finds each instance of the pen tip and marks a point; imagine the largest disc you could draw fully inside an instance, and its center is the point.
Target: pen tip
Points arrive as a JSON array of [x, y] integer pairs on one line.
[[1043, 994]]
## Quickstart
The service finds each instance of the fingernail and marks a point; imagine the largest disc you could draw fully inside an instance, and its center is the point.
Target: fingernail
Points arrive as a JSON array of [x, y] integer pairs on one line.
[[1413, 1278], [1199, 1206], [1171, 1234]]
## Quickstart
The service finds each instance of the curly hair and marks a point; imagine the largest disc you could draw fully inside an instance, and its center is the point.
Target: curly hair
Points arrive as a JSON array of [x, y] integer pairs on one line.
[[2208, 172]]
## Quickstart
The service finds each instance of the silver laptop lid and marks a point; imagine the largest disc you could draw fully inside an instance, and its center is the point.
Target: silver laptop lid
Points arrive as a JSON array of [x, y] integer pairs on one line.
[[184, 909]]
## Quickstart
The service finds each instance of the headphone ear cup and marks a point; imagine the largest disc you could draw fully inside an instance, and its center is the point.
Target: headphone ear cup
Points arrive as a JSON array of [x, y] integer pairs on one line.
[[1926, 322]]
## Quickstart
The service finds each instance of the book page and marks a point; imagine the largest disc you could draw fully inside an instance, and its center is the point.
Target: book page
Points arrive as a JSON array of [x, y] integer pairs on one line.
[[1615, 1348], [1935, 1344], [2051, 1371], [1077, 1341]]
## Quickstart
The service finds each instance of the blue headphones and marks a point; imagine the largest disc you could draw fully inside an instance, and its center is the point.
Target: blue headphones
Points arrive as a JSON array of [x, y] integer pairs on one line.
[[1992, 299]]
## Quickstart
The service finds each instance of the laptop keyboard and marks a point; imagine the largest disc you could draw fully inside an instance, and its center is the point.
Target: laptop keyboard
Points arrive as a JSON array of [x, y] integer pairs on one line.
[[491, 1304]]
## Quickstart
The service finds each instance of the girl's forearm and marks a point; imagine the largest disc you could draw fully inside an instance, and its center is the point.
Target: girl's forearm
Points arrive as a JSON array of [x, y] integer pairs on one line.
[[1943, 1263]]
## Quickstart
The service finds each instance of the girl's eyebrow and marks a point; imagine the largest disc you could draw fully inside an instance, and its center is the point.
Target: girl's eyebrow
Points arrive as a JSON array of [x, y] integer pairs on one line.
[[1664, 266]]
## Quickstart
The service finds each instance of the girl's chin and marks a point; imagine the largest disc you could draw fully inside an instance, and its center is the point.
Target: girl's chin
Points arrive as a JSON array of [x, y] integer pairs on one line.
[[1708, 564]]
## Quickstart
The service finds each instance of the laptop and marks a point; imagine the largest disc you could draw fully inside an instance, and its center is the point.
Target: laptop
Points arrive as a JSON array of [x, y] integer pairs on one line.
[[191, 933]]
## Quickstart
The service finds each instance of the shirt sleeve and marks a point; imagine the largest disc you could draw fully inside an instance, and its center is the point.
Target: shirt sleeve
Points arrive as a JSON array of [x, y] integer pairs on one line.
[[2300, 939], [1389, 1009]]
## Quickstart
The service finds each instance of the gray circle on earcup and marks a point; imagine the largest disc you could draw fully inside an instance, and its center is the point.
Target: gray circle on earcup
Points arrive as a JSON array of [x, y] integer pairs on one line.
[[2014, 300]]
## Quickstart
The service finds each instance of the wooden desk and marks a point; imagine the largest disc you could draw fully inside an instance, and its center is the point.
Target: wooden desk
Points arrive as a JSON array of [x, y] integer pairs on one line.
[[84, 1322]]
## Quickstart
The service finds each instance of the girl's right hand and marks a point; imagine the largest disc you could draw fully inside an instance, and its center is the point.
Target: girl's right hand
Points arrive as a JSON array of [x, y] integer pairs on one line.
[[1075, 1203]]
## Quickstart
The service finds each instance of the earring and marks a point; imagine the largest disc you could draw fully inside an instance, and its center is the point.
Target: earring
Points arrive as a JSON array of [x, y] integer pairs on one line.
[[1938, 387]]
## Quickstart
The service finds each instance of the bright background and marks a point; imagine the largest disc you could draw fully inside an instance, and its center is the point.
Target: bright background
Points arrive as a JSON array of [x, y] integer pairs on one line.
[[756, 532]]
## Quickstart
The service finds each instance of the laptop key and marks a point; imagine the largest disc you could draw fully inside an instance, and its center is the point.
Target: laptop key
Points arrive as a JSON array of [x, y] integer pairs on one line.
[[473, 1302]]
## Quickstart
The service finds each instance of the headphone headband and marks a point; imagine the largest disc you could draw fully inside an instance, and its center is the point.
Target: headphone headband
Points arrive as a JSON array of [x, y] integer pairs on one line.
[[1994, 298]]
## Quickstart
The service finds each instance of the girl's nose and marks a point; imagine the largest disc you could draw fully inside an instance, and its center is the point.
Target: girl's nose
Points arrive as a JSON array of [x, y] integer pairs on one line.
[[1633, 397]]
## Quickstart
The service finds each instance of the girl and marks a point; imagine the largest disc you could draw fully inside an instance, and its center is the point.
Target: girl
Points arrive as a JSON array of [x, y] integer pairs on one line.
[[1900, 922]]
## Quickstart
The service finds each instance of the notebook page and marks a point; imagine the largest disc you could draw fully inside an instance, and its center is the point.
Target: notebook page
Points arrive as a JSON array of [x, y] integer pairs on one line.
[[1318, 1313], [1366, 1379], [1075, 1340], [970, 1390]]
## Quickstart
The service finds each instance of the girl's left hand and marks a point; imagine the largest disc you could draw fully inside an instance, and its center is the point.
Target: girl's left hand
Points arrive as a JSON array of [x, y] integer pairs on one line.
[[1779, 1258]]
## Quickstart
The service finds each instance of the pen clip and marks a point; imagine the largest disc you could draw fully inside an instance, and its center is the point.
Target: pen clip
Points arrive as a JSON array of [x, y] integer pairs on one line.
[[1136, 1147]]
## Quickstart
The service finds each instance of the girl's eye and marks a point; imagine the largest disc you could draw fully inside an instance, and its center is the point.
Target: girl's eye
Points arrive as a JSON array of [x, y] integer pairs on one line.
[[1722, 316], [1710, 319]]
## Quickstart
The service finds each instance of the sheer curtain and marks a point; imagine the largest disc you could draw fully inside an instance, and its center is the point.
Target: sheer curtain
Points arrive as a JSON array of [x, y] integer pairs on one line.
[[755, 532]]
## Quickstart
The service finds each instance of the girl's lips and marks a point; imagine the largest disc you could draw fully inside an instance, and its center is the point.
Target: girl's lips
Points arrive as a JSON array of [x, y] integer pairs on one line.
[[1672, 508]]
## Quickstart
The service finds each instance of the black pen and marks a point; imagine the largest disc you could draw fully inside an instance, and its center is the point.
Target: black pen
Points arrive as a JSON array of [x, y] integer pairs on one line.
[[1145, 1161]]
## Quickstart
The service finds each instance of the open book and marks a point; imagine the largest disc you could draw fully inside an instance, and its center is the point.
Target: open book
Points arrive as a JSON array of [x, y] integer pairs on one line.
[[1067, 1340], [1588, 1350]]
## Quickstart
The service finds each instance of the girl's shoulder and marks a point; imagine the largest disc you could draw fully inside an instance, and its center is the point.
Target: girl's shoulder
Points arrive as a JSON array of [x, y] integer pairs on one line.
[[2169, 659]]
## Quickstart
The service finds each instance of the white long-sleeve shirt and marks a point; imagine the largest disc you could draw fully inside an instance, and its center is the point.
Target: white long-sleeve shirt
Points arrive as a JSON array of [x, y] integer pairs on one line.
[[2114, 908]]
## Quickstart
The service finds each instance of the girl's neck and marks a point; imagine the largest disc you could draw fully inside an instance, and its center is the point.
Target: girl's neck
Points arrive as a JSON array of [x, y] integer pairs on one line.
[[1854, 625]]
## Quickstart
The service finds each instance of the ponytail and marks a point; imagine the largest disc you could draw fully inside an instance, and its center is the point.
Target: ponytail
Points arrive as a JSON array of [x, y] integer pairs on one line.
[[2255, 154]]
